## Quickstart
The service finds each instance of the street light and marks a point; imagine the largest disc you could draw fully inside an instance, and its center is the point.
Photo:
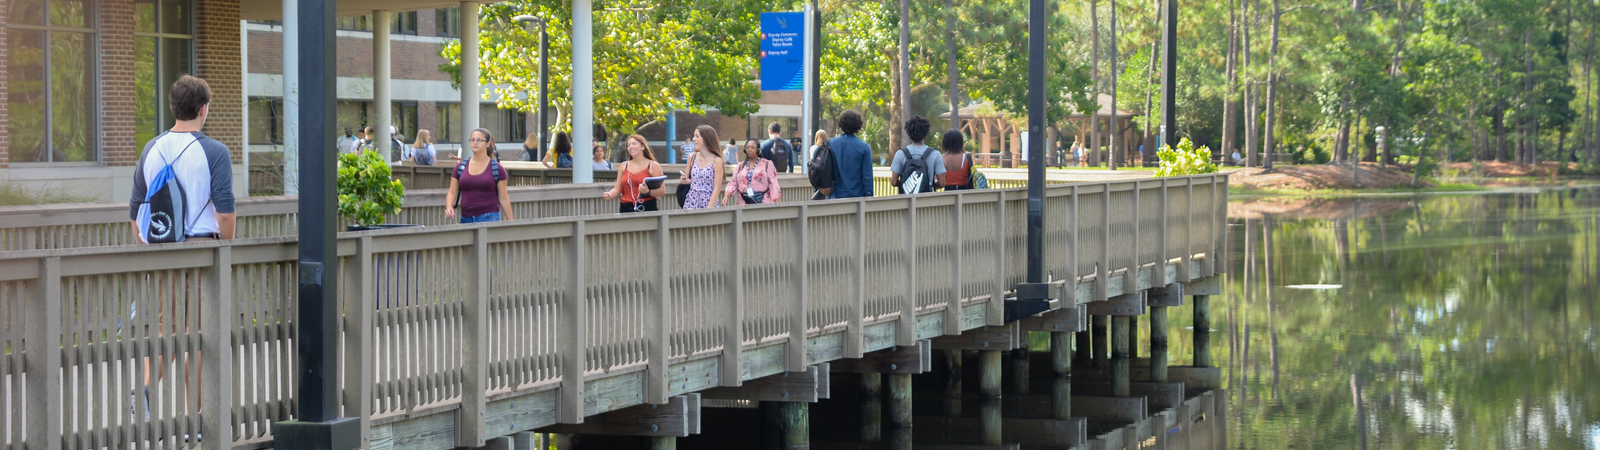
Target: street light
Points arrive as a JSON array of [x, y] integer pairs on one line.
[[544, 78]]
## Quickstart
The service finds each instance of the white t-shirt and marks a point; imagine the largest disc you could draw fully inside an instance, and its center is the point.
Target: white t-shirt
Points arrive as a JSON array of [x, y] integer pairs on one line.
[[205, 171]]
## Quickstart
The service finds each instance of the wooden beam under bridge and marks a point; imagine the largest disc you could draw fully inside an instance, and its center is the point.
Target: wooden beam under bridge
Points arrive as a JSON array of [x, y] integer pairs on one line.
[[679, 417]]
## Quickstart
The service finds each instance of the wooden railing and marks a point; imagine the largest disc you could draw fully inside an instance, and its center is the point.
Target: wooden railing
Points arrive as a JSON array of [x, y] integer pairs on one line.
[[458, 333]]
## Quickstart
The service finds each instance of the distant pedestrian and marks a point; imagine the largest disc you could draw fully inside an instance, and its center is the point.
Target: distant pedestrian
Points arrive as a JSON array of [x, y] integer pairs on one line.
[[560, 154], [397, 150], [705, 173], [755, 180], [348, 142], [852, 159], [422, 151], [820, 166], [731, 151], [530, 148], [368, 139], [630, 188], [959, 177], [917, 169], [600, 161], [776, 149], [480, 183]]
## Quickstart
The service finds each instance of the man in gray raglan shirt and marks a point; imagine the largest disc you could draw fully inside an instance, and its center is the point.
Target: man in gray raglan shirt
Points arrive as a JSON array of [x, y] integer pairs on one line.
[[200, 164]]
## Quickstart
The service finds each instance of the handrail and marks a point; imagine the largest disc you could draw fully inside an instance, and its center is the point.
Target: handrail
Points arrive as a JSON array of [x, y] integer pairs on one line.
[[566, 301]]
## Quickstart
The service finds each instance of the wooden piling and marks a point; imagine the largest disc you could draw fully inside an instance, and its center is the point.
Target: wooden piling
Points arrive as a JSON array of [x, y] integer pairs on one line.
[[871, 407], [1101, 340], [784, 426], [952, 382], [1085, 340], [1158, 344], [1120, 382], [989, 373], [525, 441], [1202, 331], [900, 399], [663, 443], [1060, 354], [1133, 337], [1019, 370]]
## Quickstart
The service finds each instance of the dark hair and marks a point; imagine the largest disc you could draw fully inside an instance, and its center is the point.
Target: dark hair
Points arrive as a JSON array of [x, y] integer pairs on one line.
[[563, 143], [850, 121], [775, 128], [346, 131], [189, 94], [954, 141], [486, 135], [917, 128]]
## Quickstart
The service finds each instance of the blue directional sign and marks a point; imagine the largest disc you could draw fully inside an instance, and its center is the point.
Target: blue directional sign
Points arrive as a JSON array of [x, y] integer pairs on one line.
[[783, 51]]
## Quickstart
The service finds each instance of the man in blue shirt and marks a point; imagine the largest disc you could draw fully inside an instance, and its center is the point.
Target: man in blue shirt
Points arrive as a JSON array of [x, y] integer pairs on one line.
[[852, 157]]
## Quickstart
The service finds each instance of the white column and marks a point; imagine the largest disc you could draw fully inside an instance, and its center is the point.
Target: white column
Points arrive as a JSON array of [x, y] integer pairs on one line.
[[244, 93], [291, 98], [382, 116], [471, 93], [806, 133], [583, 91]]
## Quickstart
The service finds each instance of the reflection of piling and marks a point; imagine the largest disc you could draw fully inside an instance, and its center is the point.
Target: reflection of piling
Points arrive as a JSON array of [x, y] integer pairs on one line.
[[1019, 368], [989, 418], [1202, 331], [1084, 342], [871, 407], [668, 442], [1120, 386], [952, 382], [1061, 399], [989, 373]]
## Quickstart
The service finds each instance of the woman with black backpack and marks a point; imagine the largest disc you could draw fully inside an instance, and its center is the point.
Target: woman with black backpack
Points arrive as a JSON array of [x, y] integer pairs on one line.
[[480, 183], [560, 154]]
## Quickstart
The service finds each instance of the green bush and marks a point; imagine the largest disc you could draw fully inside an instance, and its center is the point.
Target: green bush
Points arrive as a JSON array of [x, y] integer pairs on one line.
[[367, 189], [1185, 160]]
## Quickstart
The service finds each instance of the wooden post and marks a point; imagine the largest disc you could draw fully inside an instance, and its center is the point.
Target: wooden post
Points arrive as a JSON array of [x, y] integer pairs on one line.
[[1084, 341], [574, 333], [471, 427], [1120, 385], [989, 373], [900, 399], [1019, 368], [1061, 354], [796, 351], [217, 371], [360, 296], [1101, 340], [1158, 344], [853, 346], [659, 328], [871, 407], [952, 310], [1133, 337], [906, 328], [1061, 399], [44, 351], [526, 440], [1202, 331], [996, 305], [733, 329], [499, 443], [952, 382]]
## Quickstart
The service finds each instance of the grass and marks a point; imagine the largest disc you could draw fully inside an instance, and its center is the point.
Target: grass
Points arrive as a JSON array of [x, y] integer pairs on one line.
[[13, 193], [1442, 187]]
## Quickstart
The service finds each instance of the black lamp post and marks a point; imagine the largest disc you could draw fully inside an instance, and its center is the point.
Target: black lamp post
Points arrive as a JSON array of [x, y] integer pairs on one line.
[[544, 75], [1035, 295]]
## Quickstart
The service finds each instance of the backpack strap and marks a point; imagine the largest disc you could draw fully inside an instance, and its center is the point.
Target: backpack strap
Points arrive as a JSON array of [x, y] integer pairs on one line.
[[461, 166], [494, 168]]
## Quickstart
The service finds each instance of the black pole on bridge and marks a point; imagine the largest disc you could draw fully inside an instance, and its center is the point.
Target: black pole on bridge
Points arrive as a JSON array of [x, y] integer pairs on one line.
[[317, 424], [1036, 295], [1169, 73]]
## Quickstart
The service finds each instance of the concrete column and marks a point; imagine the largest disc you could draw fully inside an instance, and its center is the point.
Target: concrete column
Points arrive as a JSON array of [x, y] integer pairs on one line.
[[582, 90], [291, 98], [471, 92], [382, 114]]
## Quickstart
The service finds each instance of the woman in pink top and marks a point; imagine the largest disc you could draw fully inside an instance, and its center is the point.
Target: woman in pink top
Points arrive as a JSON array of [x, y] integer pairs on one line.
[[755, 179]]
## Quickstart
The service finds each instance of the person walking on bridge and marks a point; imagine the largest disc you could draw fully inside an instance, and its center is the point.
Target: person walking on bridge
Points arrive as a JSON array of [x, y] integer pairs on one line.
[[916, 168], [706, 170], [755, 180], [480, 183], [630, 188], [852, 159], [957, 159]]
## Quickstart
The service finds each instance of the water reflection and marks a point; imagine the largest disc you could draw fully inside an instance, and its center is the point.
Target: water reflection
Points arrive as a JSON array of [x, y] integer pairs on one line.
[[1458, 322]]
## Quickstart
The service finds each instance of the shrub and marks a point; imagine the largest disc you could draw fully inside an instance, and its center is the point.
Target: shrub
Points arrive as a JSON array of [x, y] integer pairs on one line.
[[367, 189], [1185, 160]]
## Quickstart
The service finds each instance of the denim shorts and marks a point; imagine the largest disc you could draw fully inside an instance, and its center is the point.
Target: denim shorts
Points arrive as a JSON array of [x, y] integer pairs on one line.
[[490, 217]]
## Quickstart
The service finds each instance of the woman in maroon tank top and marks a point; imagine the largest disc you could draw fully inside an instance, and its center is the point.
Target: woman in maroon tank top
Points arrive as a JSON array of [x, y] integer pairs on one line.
[[630, 188]]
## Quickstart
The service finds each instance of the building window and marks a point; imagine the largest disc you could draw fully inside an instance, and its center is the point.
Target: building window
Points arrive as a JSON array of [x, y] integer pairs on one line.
[[449, 131], [403, 115], [357, 23], [163, 51], [403, 23], [52, 91], [352, 115], [447, 22], [266, 120], [507, 125]]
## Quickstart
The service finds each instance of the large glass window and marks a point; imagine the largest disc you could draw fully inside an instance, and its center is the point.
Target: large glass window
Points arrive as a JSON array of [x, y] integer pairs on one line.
[[506, 124], [449, 131], [266, 120], [357, 23], [403, 115], [352, 115], [447, 21], [403, 23], [163, 51], [52, 81]]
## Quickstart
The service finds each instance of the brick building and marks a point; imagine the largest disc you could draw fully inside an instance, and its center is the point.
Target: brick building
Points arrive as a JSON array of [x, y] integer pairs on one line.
[[85, 84]]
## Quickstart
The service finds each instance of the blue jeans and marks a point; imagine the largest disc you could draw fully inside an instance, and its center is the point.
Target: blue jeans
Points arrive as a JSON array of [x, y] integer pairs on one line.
[[490, 217]]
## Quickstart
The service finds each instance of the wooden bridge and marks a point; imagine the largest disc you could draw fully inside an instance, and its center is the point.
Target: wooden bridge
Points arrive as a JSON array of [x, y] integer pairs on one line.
[[462, 335]]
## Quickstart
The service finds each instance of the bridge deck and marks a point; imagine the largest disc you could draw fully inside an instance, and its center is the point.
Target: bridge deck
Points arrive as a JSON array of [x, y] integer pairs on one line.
[[459, 333]]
